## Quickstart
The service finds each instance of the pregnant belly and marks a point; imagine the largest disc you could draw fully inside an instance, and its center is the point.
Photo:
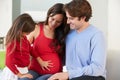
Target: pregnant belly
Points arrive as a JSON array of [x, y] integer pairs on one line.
[[56, 63]]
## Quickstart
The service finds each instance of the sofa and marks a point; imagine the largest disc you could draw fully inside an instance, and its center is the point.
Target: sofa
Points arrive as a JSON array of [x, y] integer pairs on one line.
[[113, 65]]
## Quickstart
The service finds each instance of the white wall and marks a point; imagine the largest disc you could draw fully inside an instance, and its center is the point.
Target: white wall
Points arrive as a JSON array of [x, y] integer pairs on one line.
[[39, 5], [114, 25], [5, 16], [100, 14]]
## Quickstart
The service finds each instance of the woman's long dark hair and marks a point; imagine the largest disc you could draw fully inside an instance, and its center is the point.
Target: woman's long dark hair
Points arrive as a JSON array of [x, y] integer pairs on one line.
[[59, 35]]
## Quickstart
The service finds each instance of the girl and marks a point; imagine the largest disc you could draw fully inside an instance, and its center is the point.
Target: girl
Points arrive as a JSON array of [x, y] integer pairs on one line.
[[18, 48]]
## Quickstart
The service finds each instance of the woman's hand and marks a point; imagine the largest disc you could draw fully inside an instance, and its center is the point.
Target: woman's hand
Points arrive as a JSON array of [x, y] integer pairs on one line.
[[44, 64]]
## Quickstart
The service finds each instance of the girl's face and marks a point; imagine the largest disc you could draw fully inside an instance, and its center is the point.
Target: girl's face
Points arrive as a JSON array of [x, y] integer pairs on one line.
[[55, 21]]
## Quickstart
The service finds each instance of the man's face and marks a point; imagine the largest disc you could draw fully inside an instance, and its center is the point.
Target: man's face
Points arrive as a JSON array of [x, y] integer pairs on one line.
[[74, 22]]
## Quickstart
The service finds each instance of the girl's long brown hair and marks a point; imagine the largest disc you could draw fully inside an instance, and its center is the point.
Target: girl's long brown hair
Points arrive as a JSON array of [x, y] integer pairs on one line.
[[23, 23]]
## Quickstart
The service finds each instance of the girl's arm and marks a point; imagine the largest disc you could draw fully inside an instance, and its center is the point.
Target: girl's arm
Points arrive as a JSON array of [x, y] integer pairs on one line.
[[24, 75]]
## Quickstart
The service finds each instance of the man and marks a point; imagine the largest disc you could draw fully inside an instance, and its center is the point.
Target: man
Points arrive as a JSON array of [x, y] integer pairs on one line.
[[85, 45]]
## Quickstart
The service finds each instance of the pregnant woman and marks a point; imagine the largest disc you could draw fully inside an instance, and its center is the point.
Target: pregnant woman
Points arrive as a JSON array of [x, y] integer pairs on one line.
[[48, 44]]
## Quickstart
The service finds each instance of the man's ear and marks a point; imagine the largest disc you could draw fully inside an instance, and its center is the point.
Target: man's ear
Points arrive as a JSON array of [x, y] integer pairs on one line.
[[83, 18]]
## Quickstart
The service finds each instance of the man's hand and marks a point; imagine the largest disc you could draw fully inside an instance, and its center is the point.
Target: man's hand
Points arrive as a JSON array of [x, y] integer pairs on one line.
[[59, 76]]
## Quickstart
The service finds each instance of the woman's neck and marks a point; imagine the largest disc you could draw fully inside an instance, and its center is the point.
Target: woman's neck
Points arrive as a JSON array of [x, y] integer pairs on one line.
[[49, 29], [49, 32]]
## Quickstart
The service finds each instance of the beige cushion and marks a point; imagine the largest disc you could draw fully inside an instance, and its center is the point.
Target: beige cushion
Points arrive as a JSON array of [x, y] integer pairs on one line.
[[113, 65]]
